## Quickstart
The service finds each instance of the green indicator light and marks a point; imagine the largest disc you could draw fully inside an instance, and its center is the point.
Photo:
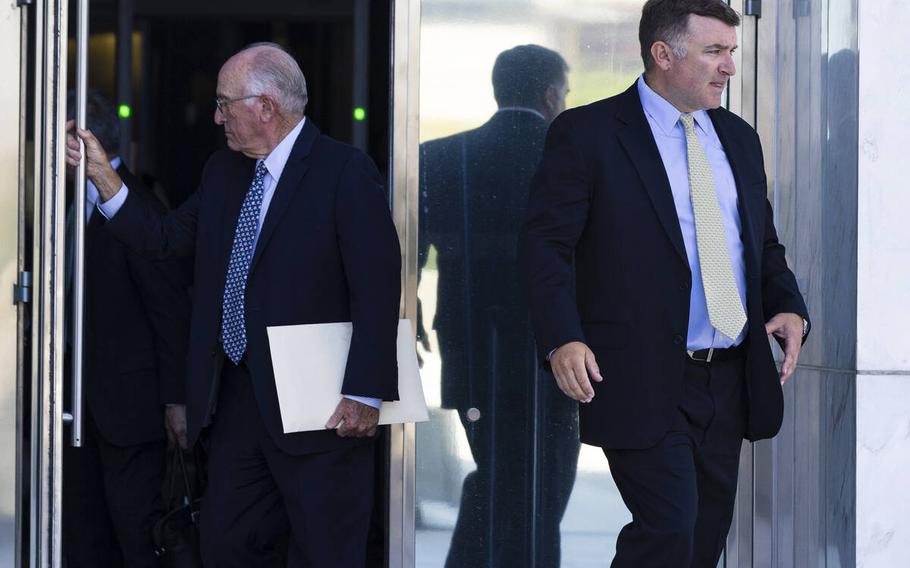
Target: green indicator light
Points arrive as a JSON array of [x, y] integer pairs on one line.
[[124, 111], [359, 114]]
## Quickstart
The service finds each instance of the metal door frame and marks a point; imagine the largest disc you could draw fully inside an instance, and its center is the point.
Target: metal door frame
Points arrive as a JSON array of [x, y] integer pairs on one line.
[[751, 538], [48, 338], [50, 43], [12, 309], [403, 155]]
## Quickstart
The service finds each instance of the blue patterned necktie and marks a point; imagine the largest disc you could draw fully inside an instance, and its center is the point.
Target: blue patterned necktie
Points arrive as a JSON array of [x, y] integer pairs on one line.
[[233, 323]]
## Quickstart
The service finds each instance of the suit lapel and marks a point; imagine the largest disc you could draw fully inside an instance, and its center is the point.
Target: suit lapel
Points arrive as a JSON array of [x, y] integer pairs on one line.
[[288, 186], [638, 141], [747, 210]]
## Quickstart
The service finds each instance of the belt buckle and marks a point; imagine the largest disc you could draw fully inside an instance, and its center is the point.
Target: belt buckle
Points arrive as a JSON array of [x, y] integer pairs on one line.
[[705, 360]]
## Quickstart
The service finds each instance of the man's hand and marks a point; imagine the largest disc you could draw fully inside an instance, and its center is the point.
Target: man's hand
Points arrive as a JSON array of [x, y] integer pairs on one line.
[[98, 167], [572, 365], [354, 419], [175, 424], [787, 329]]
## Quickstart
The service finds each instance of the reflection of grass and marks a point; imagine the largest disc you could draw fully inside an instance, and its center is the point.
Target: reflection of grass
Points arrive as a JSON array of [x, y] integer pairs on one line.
[[431, 259], [587, 86]]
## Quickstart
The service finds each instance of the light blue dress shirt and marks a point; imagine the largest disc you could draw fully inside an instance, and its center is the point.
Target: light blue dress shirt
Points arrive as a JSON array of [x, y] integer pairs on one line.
[[670, 136], [274, 163]]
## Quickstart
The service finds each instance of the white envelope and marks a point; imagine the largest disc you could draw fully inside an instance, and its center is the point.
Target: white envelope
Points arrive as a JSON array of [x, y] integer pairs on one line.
[[309, 363]]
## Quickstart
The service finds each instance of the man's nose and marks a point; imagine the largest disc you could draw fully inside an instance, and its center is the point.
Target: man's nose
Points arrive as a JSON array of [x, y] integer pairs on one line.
[[728, 67], [219, 116]]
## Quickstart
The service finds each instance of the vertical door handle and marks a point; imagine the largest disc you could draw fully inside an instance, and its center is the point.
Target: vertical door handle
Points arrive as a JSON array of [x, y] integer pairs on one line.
[[79, 223]]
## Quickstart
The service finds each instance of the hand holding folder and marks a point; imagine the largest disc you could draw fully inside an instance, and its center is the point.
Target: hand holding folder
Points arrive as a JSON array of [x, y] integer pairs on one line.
[[309, 362]]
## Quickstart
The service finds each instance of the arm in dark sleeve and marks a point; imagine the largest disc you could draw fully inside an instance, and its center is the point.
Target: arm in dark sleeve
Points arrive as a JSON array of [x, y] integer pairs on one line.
[[165, 298], [151, 232], [372, 263], [559, 199], [780, 292]]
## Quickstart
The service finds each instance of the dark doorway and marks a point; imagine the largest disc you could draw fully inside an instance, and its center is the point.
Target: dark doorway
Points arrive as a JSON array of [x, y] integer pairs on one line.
[[179, 46]]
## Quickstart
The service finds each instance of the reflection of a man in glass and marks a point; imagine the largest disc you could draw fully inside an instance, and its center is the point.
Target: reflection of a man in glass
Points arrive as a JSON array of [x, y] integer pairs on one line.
[[474, 188]]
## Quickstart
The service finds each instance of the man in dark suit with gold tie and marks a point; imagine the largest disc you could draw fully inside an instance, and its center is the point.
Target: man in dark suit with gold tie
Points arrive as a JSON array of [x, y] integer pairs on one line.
[[653, 203]]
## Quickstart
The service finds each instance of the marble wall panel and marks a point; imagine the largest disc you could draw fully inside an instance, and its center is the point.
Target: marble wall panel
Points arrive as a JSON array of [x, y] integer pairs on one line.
[[883, 306], [882, 466]]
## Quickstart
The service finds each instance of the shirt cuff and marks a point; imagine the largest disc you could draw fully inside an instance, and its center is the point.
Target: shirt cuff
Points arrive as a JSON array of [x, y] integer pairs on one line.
[[367, 400], [110, 207]]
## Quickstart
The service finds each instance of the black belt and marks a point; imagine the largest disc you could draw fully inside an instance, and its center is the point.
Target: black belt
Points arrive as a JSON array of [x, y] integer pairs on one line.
[[714, 355]]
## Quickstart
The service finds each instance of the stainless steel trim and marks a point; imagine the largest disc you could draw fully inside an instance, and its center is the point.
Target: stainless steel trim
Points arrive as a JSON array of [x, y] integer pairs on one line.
[[404, 157], [22, 382], [47, 309], [79, 223]]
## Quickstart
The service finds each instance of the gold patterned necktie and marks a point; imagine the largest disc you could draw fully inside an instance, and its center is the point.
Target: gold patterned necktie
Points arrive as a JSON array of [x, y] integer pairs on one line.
[[725, 309]]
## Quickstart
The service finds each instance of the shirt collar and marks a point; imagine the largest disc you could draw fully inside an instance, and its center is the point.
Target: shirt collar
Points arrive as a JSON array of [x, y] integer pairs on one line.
[[521, 109], [278, 158], [663, 113]]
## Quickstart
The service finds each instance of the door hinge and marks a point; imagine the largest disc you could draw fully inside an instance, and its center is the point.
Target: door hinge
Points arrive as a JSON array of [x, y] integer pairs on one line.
[[753, 8], [801, 8], [21, 3], [22, 290]]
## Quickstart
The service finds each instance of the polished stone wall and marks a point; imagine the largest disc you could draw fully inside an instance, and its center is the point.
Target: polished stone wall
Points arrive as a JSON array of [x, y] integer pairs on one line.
[[883, 291]]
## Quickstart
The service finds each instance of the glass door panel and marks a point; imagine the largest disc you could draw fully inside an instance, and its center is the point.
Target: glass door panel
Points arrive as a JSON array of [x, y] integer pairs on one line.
[[501, 479]]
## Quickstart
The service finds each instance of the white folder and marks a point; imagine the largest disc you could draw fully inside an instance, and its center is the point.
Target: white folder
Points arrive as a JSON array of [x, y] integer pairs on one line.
[[309, 362]]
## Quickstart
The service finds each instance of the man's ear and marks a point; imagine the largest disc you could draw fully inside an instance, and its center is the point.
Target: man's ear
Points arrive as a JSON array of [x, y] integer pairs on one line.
[[662, 55], [268, 108], [550, 96]]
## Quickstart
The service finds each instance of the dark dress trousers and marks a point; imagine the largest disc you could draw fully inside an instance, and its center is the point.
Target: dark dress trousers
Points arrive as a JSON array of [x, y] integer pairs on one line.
[[474, 189], [327, 252], [601, 212], [135, 334]]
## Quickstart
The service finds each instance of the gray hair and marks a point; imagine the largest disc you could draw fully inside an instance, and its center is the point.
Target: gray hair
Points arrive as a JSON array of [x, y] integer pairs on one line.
[[275, 73]]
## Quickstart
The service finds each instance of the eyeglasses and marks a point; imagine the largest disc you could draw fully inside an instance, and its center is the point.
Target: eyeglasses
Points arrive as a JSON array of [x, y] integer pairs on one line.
[[222, 104]]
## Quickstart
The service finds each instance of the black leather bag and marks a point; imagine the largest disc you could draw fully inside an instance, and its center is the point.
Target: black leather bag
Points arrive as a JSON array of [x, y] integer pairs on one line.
[[176, 534]]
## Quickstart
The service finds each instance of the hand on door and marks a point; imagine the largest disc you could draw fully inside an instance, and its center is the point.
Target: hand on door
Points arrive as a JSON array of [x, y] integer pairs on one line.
[[97, 166]]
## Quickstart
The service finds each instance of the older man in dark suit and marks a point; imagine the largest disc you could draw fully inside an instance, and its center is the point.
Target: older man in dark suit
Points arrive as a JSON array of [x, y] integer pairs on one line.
[[657, 198], [287, 227]]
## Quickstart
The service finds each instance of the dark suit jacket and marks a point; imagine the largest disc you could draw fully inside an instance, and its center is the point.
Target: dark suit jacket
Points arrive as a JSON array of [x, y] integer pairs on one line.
[[327, 252], [137, 315], [474, 189], [601, 198]]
